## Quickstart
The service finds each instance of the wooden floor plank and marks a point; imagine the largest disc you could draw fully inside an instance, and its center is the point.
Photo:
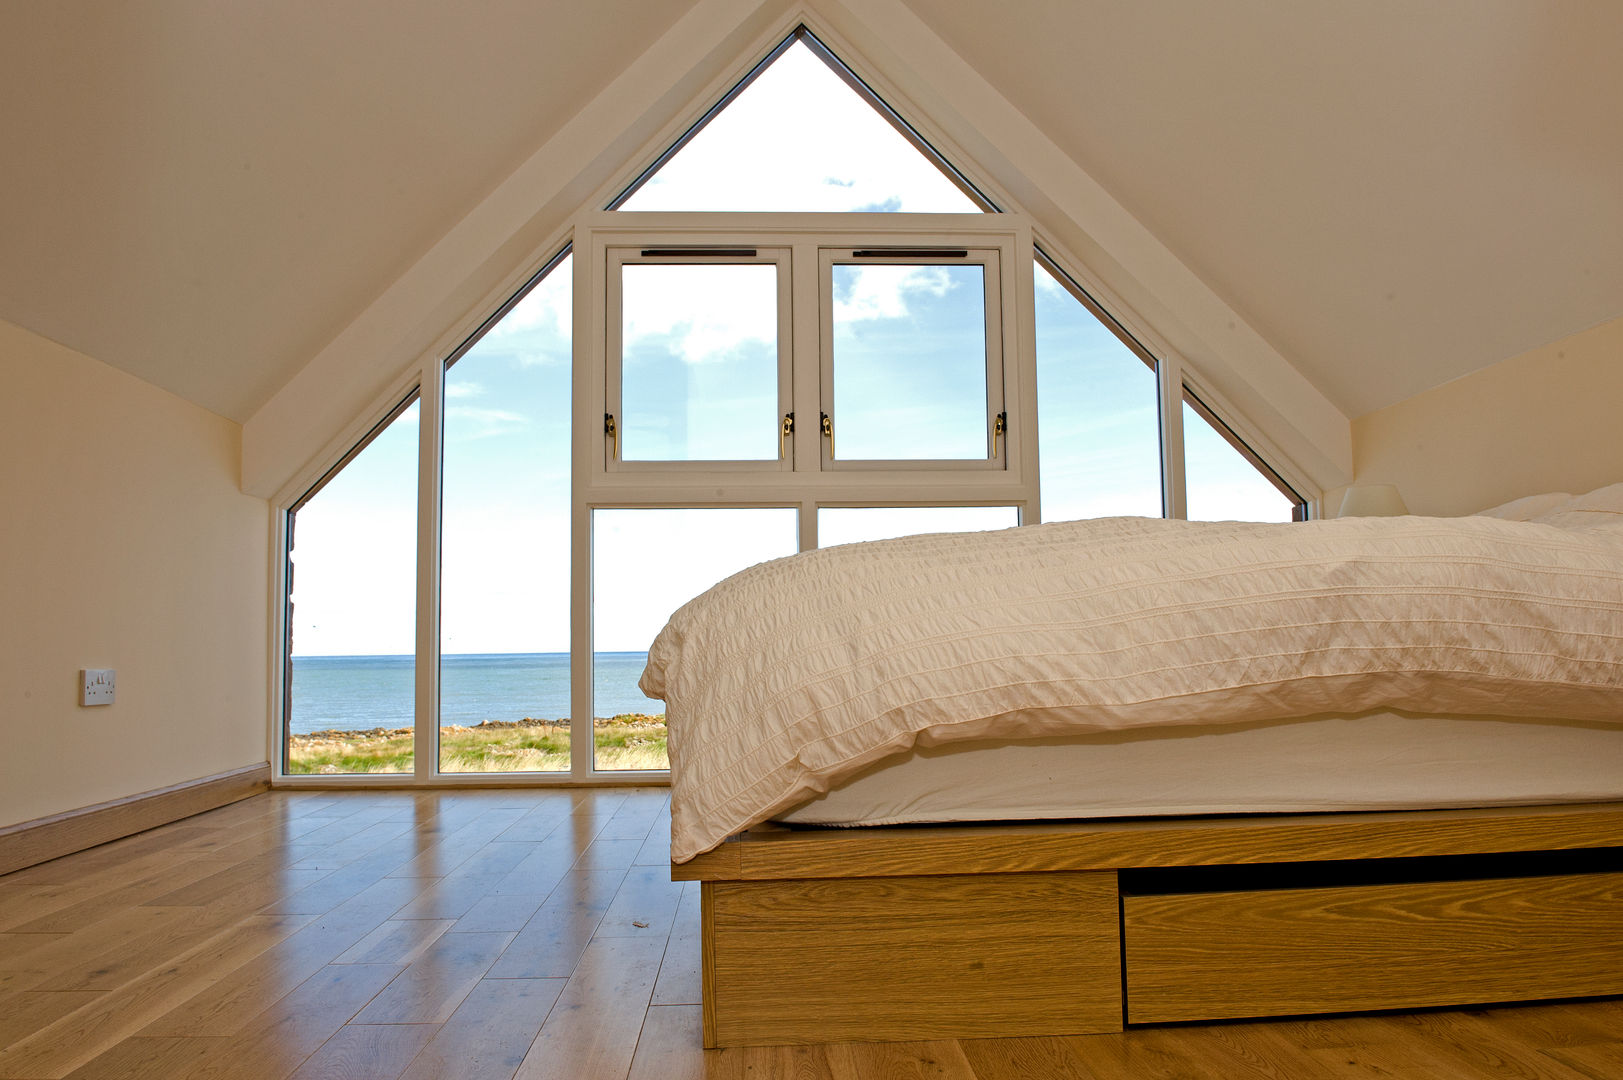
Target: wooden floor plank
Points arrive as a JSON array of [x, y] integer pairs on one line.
[[433, 986], [551, 943], [114, 1016], [367, 1052], [594, 1027], [490, 1032], [1019, 1059], [671, 1046], [644, 906], [277, 1041], [25, 1012], [933, 1060], [146, 1059], [680, 982], [397, 941]]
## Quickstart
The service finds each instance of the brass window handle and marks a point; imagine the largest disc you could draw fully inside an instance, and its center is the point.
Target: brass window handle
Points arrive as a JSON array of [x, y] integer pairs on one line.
[[828, 433], [1000, 427], [787, 430], [614, 436]]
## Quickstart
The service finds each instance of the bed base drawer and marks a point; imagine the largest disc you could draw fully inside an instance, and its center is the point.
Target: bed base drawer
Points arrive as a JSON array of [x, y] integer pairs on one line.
[[879, 959], [1282, 951]]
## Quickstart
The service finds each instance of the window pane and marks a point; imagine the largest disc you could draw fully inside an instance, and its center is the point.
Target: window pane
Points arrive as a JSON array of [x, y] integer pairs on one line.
[[645, 565], [909, 362], [799, 138], [352, 613], [504, 560], [699, 369], [852, 524], [1098, 426], [1220, 484]]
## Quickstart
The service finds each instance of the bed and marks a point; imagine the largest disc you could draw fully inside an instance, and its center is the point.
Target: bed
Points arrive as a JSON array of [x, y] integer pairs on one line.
[[1180, 716]]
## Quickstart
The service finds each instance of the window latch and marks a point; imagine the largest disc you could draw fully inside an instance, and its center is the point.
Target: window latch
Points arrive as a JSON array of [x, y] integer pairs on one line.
[[614, 436], [787, 430], [1000, 428], [828, 433]]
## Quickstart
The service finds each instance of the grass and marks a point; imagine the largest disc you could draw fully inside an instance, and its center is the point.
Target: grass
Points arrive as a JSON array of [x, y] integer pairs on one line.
[[627, 741]]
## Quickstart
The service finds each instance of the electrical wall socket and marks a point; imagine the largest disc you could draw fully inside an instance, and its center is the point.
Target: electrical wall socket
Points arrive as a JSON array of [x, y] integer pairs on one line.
[[97, 686]]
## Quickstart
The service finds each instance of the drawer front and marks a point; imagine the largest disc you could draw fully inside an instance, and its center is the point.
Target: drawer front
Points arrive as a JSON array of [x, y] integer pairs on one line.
[[952, 956], [1201, 956]]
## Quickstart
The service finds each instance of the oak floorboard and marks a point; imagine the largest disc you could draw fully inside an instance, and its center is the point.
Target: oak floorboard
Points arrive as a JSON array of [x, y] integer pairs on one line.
[[937, 1060], [367, 1052], [492, 912], [1597, 1061], [644, 906], [602, 854], [20, 904], [397, 941], [1022, 1058], [680, 979], [551, 943], [277, 1041], [671, 1046], [66, 920], [593, 1029], [490, 1032], [145, 1059], [433, 985], [85, 1033], [27, 1011]]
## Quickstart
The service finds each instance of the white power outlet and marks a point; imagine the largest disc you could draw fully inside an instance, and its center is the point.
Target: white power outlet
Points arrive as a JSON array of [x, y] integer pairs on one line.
[[97, 687]]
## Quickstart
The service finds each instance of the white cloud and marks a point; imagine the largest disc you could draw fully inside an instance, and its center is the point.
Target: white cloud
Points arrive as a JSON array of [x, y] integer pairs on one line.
[[708, 310], [880, 292]]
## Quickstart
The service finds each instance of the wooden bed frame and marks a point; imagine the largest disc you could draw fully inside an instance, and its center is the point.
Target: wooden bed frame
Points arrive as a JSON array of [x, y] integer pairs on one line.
[[936, 931]]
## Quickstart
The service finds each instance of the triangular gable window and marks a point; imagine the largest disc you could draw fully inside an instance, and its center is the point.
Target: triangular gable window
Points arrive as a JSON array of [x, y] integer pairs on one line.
[[802, 133]]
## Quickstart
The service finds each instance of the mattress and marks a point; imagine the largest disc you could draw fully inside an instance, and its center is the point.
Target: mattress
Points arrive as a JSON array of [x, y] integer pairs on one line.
[[1380, 760]]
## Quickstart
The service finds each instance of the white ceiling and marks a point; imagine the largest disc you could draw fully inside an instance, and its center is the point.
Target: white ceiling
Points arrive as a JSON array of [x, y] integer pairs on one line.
[[205, 193], [1393, 194]]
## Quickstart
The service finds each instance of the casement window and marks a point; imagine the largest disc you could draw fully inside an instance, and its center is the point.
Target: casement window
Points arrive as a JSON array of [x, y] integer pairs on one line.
[[795, 325]]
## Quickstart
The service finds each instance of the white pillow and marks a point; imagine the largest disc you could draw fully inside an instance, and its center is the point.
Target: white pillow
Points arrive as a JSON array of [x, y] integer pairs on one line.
[[1602, 507], [1526, 508]]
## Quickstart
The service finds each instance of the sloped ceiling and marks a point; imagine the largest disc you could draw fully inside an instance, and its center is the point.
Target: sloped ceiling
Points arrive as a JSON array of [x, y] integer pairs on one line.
[[205, 193], [1393, 194]]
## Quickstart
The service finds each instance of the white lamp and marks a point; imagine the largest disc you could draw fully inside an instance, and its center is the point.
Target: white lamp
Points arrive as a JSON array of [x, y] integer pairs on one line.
[[1372, 500]]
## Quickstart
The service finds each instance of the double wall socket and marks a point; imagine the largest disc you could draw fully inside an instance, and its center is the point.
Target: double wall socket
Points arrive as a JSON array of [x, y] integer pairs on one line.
[[96, 687]]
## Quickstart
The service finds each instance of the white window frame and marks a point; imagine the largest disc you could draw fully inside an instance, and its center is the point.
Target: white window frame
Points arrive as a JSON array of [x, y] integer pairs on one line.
[[992, 305], [616, 258]]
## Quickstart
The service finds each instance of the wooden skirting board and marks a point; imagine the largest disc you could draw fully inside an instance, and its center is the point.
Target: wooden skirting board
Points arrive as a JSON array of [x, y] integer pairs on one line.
[[45, 838], [978, 931]]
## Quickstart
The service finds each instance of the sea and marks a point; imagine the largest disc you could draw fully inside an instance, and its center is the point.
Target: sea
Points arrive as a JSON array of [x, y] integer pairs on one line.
[[355, 693]]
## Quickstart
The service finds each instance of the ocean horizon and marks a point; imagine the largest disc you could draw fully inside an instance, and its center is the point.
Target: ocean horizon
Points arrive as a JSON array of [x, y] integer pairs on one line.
[[356, 693]]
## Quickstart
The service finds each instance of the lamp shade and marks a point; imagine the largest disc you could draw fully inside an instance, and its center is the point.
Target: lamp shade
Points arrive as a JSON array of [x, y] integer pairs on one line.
[[1372, 500]]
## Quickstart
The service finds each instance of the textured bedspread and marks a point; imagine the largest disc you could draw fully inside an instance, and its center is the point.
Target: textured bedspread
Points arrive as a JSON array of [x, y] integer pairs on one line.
[[791, 675]]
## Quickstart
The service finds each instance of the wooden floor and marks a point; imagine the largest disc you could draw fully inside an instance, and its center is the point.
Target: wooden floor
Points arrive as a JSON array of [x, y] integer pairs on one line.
[[488, 934]]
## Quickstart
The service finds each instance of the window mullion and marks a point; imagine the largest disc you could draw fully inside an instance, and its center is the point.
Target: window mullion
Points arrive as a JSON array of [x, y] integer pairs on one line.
[[430, 444], [1169, 372]]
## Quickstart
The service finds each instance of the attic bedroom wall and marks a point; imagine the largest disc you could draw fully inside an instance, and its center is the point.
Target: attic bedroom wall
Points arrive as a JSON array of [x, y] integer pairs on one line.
[[124, 543], [1546, 420]]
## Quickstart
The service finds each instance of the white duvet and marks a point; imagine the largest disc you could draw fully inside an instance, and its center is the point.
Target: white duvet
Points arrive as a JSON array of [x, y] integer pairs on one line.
[[793, 674]]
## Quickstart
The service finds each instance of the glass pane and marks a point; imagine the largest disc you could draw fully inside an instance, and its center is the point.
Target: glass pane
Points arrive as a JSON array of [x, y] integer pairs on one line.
[[352, 613], [799, 138], [1220, 484], [504, 561], [853, 524], [645, 565], [909, 362], [699, 368], [1098, 426]]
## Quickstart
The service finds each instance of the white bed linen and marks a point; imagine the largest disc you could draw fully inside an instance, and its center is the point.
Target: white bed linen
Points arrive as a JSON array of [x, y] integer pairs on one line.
[[1376, 761], [791, 675]]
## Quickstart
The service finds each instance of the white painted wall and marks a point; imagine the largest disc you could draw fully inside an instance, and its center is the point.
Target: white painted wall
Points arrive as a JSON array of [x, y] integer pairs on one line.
[[124, 543], [1548, 420]]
